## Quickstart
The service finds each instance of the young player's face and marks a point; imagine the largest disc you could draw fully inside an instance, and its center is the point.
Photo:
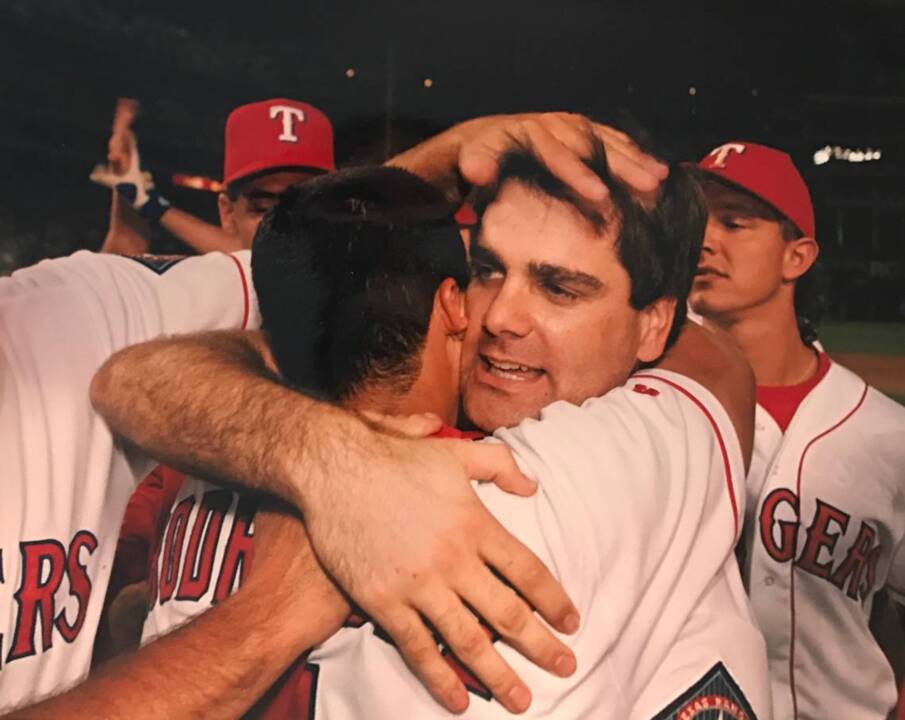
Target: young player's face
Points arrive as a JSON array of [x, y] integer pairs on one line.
[[241, 217], [548, 311], [742, 260]]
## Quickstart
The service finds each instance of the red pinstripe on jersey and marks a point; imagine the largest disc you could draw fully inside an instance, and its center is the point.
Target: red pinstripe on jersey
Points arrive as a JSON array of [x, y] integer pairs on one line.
[[792, 565], [719, 436], [244, 290]]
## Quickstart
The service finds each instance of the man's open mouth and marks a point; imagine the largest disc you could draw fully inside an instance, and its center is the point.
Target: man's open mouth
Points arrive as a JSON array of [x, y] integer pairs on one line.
[[509, 370]]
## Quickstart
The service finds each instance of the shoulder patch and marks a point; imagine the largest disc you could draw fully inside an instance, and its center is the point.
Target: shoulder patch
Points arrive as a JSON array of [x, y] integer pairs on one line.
[[158, 263], [716, 696], [645, 390]]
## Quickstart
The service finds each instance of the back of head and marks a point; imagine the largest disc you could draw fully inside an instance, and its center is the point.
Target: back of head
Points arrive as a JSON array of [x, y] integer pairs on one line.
[[658, 244], [346, 267]]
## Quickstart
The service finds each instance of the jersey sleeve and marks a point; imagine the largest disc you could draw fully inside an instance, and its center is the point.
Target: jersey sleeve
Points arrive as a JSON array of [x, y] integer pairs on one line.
[[61, 319], [636, 509]]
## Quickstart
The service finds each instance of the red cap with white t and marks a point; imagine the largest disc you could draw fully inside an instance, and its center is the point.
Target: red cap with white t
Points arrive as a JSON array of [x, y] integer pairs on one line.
[[277, 134], [767, 173]]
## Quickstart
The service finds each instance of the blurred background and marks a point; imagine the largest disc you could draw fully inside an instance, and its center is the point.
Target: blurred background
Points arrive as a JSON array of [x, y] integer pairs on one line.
[[822, 80]]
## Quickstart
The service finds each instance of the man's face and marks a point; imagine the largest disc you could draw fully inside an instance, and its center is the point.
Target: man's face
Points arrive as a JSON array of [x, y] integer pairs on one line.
[[742, 260], [548, 311], [241, 217]]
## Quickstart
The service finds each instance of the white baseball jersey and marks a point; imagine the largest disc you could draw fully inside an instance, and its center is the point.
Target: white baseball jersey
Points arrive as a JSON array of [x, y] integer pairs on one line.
[[637, 514], [203, 554], [65, 481], [825, 530]]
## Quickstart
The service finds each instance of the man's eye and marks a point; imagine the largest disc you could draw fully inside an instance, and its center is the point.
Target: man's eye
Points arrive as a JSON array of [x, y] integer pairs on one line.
[[558, 291], [482, 273], [259, 208], [734, 223]]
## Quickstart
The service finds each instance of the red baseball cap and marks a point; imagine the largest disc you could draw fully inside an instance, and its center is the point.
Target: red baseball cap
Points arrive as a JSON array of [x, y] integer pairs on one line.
[[767, 173], [274, 134]]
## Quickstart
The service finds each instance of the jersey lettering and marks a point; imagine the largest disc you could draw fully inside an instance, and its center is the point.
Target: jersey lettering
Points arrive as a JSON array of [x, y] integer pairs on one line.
[[855, 574], [198, 564], [44, 565], [237, 556], [788, 529], [821, 535], [171, 550], [79, 584], [187, 567]]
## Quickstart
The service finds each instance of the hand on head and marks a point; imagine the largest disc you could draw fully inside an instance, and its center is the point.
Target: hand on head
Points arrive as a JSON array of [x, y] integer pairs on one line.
[[561, 141]]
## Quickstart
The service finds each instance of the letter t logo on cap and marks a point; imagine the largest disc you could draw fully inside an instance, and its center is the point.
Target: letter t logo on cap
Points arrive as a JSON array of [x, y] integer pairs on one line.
[[721, 154], [289, 114]]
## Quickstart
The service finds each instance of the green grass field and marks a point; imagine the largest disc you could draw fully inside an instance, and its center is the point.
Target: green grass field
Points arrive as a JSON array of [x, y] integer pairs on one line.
[[864, 337], [883, 338]]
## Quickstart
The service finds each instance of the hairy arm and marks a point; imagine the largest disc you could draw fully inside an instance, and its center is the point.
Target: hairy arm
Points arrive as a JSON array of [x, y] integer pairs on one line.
[[394, 520], [219, 664], [711, 357]]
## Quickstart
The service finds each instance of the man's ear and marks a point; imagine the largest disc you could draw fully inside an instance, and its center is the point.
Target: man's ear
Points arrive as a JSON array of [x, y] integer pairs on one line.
[[656, 321], [227, 210], [798, 257], [450, 302]]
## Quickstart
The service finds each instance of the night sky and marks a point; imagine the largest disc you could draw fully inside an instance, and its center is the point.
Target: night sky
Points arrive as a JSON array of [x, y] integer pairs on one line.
[[797, 75]]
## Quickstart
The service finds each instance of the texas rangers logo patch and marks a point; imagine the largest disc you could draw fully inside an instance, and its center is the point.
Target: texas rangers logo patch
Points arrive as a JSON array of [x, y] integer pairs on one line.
[[716, 696], [158, 263]]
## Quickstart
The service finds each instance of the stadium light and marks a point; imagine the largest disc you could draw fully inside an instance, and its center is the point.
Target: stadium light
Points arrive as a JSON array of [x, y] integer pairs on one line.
[[844, 154]]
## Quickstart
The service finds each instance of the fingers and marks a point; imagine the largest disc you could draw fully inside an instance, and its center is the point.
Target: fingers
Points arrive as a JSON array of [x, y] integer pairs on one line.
[[565, 160], [637, 169], [420, 652], [472, 645], [519, 626], [561, 141], [420, 425], [530, 578], [492, 463]]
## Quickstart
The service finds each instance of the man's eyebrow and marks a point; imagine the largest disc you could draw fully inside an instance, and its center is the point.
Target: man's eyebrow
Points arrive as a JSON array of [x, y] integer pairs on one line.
[[559, 274], [484, 254]]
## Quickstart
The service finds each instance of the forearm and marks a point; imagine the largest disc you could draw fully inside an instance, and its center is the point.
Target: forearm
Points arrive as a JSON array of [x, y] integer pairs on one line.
[[197, 234], [216, 666], [127, 233], [221, 414]]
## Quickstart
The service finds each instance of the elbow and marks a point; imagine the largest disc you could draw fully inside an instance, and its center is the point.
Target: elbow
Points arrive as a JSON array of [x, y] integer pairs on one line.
[[100, 388], [106, 391]]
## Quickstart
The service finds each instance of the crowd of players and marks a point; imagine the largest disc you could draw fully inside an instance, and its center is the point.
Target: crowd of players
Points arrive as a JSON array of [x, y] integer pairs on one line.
[[700, 540]]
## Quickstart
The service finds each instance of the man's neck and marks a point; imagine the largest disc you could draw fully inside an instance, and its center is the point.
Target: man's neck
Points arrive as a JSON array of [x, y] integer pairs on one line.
[[768, 335], [421, 398]]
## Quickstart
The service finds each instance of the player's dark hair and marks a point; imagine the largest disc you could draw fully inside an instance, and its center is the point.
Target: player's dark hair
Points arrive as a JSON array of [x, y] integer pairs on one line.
[[346, 267], [658, 245], [810, 288]]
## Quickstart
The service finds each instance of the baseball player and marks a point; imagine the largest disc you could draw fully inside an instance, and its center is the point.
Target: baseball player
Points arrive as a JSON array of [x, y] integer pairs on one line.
[[66, 485], [64, 496], [640, 521], [270, 145], [824, 525]]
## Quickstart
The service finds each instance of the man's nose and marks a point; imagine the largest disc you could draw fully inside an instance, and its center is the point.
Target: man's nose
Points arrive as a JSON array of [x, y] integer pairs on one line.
[[711, 238], [508, 313]]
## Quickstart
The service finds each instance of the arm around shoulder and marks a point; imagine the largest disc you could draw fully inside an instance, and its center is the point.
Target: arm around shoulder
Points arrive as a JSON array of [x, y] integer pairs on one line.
[[710, 357]]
